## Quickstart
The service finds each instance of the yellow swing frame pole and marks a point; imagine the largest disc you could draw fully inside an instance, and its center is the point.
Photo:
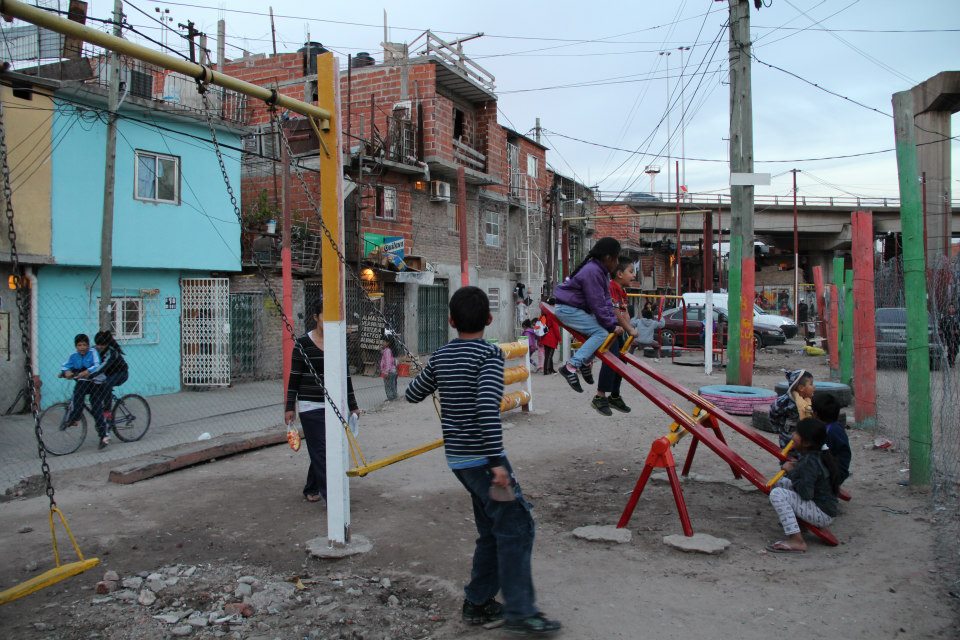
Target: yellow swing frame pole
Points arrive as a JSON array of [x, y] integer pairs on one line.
[[51, 21]]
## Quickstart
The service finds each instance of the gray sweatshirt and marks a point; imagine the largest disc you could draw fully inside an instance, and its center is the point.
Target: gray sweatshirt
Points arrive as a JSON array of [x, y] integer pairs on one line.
[[646, 327]]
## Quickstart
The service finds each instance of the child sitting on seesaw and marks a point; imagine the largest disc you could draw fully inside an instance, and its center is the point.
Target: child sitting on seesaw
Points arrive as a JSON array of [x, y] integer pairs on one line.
[[794, 405], [808, 490]]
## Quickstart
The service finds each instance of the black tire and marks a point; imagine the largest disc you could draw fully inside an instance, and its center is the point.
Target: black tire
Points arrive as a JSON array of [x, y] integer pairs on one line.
[[761, 420], [666, 337], [757, 342], [131, 418], [60, 440], [841, 392]]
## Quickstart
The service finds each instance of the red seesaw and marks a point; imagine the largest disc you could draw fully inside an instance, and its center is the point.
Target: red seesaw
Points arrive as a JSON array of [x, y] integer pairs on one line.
[[703, 426]]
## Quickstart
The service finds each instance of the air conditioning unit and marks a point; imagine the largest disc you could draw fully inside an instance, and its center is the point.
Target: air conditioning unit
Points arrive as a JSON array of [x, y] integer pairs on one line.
[[439, 191]]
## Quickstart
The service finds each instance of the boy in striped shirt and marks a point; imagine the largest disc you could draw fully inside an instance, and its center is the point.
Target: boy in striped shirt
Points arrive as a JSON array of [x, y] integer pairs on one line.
[[468, 373]]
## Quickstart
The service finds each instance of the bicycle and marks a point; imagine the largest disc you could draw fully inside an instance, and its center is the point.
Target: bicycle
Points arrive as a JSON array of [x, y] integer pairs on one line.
[[129, 422]]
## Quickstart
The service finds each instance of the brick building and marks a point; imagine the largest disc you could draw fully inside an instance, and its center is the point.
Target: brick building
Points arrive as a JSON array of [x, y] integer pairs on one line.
[[410, 124]]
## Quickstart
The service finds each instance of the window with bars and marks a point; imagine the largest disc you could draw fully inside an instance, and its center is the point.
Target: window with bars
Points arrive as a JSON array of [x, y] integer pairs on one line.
[[386, 203], [491, 228], [127, 315], [493, 294], [157, 178]]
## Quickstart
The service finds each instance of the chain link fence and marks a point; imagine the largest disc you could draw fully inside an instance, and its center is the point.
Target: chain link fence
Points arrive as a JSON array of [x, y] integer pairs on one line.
[[943, 293]]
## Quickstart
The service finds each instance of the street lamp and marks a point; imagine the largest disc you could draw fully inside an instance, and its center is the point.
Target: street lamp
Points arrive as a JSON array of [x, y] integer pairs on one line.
[[683, 146], [667, 54]]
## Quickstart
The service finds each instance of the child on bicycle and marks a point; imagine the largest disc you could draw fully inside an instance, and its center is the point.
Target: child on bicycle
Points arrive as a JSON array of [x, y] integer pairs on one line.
[[77, 367], [112, 371]]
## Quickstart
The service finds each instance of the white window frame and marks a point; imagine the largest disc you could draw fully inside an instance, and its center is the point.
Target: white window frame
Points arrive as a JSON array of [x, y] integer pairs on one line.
[[533, 166], [493, 295], [138, 154], [388, 203], [491, 228], [118, 325]]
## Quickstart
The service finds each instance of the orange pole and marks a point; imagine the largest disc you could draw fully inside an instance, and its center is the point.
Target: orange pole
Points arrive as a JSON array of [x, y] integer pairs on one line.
[[462, 222]]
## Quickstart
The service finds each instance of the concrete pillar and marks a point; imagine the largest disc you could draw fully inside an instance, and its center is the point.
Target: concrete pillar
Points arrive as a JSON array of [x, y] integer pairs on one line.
[[934, 101]]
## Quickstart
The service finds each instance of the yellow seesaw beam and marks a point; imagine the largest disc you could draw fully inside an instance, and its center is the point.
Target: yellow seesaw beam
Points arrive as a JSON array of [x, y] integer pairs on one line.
[[397, 457]]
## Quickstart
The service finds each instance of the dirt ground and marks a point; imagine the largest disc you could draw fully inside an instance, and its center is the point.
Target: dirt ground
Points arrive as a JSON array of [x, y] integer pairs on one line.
[[242, 521]]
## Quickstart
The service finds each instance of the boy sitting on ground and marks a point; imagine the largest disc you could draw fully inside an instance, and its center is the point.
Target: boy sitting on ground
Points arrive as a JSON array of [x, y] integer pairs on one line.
[[646, 328], [827, 410], [793, 406]]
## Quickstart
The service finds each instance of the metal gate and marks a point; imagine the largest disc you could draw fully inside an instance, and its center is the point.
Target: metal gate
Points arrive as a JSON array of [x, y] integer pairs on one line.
[[393, 308], [432, 317], [244, 344], [205, 332]]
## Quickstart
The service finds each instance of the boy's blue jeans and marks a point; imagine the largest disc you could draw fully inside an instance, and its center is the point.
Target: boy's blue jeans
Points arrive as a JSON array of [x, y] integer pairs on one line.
[[501, 560], [586, 323]]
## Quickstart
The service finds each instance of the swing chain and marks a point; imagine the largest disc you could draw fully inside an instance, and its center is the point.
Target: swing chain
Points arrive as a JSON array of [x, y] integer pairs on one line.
[[313, 204], [263, 274], [23, 304]]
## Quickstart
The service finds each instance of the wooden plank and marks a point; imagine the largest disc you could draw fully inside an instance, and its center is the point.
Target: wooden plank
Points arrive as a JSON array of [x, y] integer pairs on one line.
[[185, 455]]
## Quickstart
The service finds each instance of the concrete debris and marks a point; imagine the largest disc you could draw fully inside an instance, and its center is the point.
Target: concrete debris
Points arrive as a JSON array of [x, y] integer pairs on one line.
[[147, 597], [697, 543], [603, 533]]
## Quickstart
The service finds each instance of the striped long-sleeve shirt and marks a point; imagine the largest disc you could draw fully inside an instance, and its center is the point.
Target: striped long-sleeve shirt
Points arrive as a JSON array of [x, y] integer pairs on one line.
[[303, 387], [469, 376]]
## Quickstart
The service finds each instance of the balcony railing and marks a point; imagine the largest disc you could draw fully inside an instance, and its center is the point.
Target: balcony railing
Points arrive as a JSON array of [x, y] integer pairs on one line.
[[452, 54], [305, 243], [468, 156]]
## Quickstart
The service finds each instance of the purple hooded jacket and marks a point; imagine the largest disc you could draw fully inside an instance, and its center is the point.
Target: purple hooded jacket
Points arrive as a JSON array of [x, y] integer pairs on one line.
[[589, 289]]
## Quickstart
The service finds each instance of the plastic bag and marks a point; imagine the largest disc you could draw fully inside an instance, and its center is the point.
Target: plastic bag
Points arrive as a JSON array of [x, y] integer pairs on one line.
[[293, 437]]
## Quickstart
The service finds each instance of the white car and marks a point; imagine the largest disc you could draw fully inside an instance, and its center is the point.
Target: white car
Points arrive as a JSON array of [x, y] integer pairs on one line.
[[786, 325]]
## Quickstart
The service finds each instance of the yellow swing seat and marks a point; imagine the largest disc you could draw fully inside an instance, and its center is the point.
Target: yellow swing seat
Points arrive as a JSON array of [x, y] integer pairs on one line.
[[59, 573]]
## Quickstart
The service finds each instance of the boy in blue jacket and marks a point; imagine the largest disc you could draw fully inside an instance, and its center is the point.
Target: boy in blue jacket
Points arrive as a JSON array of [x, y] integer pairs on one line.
[[77, 367]]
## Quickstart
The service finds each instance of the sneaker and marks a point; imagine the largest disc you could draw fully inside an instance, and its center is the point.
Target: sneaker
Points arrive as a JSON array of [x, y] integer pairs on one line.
[[617, 403], [537, 625], [103, 443], [571, 378], [602, 405], [587, 372], [489, 611]]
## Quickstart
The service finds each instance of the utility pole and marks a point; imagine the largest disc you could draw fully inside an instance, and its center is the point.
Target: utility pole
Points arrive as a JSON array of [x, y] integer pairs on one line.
[[221, 42], [536, 130], [741, 260], [110, 169], [191, 34], [273, 32], [796, 252]]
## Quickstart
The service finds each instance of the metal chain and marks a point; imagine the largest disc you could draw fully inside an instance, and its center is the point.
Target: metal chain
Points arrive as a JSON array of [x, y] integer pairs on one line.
[[263, 274], [23, 306], [358, 283]]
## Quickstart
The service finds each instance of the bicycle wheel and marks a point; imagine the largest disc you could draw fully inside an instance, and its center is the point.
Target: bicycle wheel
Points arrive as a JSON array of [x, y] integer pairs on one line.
[[131, 418], [59, 439]]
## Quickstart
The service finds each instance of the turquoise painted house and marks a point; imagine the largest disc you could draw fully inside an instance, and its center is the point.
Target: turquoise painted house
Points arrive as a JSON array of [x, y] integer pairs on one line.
[[175, 240]]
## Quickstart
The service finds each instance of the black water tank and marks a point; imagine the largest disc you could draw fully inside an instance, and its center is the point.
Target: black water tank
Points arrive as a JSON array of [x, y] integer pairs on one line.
[[363, 59], [310, 51]]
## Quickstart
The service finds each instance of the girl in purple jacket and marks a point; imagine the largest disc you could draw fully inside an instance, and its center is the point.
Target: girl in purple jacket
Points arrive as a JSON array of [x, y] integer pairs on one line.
[[584, 306]]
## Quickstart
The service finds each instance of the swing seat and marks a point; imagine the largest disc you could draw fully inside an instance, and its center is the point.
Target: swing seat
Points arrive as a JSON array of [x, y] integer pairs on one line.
[[47, 579], [60, 572]]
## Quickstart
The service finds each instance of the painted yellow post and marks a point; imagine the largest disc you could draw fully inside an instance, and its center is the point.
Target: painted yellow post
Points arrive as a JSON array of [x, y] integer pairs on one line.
[[334, 327]]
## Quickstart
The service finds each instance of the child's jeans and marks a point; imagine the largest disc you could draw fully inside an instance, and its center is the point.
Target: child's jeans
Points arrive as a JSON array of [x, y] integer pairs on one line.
[[790, 506], [501, 559], [390, 385], [586, 323]]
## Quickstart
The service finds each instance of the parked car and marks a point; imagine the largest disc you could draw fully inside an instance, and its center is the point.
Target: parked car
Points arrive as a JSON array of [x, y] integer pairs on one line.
[[690, 333], [891, 325], [720, 302]]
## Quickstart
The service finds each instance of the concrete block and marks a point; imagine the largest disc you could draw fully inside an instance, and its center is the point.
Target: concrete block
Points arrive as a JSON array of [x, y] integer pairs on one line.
[[697, 543]]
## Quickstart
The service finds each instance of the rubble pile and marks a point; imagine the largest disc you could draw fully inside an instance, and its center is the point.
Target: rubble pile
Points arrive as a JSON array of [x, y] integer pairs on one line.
[[234, 602]]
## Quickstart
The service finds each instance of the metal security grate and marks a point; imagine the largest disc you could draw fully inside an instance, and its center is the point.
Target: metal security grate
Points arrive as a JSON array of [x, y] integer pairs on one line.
[[205, 331]]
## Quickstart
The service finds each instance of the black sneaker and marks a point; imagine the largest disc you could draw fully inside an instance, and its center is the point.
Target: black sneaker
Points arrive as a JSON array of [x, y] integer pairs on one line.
[[537, 625], [571, 378], [617, 403], [602, 405], [587, 372], [475, 614]]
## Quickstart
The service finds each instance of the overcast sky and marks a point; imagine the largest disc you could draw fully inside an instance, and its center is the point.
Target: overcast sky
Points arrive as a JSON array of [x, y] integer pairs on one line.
[[864, 50]]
